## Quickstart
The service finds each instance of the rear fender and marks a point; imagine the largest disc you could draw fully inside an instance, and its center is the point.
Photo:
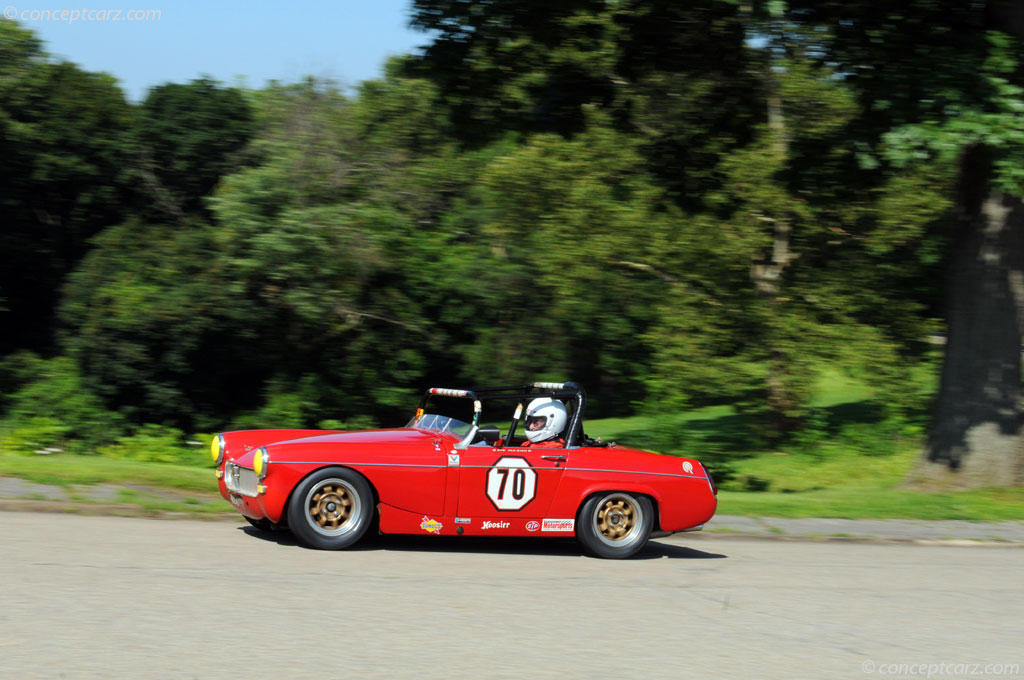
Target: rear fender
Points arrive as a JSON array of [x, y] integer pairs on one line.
[[574, 493]]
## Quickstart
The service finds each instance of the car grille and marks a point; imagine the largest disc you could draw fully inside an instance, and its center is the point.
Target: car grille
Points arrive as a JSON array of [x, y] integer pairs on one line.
[[240, 480]]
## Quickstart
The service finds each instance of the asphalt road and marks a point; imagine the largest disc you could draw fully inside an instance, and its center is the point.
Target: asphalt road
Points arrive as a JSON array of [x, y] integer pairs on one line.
[[105, 597]]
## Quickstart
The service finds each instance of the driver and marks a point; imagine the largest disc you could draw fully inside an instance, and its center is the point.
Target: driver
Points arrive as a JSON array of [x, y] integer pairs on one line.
[[545, 420]]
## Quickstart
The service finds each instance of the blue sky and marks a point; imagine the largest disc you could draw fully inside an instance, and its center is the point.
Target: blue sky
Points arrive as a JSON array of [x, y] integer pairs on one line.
[[347, 40]]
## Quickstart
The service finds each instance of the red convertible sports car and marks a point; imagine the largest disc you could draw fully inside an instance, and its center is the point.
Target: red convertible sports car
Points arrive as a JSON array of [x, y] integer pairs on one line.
[[443, 476]]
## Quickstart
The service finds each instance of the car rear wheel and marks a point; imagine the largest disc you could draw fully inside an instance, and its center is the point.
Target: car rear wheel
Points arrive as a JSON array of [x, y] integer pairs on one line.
[[615, 525], [331, 509]]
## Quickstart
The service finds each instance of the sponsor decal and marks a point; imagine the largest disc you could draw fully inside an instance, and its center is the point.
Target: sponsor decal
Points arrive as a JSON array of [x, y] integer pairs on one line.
[[532, 525], [463, 520], [687, 466], [431, 526], [453, 460], [495, 525], [558, 525]]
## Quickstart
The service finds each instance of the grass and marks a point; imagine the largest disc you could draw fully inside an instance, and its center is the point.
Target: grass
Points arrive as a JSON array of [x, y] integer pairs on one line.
[[65, 470], [153, 503], [179, 489], [878, 503]]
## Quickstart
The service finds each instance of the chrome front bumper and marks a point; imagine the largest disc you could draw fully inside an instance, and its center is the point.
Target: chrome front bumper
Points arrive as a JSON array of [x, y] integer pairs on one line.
[[241, 480]]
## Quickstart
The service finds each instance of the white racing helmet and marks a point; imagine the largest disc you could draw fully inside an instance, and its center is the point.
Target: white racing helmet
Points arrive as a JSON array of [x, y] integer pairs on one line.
[[545, 419]]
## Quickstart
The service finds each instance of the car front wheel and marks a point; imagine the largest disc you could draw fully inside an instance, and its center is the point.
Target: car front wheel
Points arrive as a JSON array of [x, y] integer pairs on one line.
[[615, 525], [331, 509]]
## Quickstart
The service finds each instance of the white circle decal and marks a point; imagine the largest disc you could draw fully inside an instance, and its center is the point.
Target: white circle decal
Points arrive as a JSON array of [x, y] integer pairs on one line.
[[511, 483]]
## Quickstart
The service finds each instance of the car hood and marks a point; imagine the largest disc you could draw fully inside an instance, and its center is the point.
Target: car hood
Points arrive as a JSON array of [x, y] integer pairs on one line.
[[398, 435]]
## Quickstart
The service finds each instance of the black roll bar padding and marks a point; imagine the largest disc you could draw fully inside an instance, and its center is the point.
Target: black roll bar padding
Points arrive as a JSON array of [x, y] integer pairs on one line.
[[576, 424]]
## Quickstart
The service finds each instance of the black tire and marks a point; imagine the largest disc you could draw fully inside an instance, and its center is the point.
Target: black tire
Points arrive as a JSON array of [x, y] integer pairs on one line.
[[615, 524], [331, 509]]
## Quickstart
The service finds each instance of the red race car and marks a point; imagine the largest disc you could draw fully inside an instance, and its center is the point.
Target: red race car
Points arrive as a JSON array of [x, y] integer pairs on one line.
[[444, 476]]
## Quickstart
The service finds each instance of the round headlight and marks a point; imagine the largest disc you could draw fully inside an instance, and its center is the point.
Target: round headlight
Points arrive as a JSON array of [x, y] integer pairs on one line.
[[217, 449], [260, 462]]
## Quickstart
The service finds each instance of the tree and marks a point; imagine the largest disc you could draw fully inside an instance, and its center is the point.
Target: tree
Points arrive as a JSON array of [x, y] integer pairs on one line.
[[62, 179], [964, 116], [188, 136], [154, 328], [518, 65]]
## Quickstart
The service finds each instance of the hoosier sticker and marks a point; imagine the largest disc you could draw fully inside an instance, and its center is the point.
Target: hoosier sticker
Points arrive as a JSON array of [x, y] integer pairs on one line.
[[558, 525], [495, 525]]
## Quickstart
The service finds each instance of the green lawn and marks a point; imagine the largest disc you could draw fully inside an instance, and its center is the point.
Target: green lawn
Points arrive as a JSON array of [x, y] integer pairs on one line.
[[854, 502], [150, 488], [64, 470]]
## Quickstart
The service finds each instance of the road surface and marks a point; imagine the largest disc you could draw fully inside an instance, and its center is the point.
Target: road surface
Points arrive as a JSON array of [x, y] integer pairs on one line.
[[107, 597]]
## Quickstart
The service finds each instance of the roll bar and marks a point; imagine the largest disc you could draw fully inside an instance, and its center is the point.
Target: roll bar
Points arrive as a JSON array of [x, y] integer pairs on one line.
[[569, 391]]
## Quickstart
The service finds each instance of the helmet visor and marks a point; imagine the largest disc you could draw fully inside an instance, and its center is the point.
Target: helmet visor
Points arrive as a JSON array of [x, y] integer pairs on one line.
[[534, 423]]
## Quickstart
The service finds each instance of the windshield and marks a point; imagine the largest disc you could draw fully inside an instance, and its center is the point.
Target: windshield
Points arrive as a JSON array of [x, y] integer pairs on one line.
[[439, 423]]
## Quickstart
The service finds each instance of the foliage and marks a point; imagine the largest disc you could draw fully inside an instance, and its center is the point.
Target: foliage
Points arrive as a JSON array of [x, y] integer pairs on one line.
[[50, 409], [156, 444], [63, 178], [187, 137], [152, 323]]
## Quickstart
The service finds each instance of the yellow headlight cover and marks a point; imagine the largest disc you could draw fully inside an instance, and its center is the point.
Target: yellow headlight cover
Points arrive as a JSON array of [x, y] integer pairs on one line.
[[215, 448], [257, 462]]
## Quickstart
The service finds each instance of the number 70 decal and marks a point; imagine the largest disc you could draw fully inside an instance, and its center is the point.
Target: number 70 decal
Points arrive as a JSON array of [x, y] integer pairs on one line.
[[511, 483]]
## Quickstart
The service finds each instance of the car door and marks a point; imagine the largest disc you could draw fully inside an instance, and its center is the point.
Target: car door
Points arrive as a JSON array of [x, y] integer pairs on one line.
[[513, 482]]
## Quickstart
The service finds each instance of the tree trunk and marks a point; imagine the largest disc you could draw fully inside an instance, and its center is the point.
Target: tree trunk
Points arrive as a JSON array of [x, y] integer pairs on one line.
[[975, 438]]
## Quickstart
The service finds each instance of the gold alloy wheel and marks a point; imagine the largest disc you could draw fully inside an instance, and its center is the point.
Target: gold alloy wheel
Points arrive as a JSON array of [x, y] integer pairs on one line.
[[331, 505], [616, 518]]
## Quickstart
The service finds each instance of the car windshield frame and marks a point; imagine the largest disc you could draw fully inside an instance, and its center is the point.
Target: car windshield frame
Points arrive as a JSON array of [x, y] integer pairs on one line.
[[435, 422]]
